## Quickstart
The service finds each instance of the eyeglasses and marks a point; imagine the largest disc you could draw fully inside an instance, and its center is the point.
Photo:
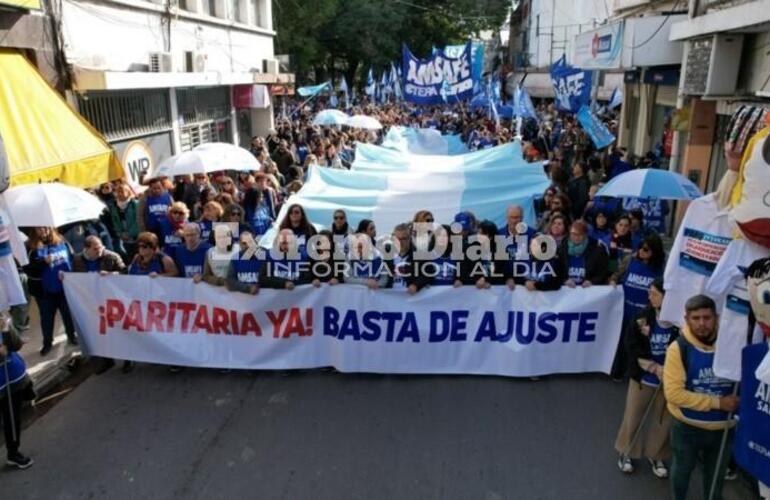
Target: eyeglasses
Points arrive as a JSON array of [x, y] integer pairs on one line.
[[429, 221], [177, 212], [645, 249], [143, 245], [236, 212]]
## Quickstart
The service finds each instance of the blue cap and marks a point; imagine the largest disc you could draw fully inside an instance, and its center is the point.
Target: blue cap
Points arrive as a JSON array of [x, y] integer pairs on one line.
[[465, 219]]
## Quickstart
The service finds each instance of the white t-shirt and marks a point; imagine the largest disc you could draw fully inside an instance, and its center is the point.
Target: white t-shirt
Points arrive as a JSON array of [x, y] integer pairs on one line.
[[702, 238], [727, 287]]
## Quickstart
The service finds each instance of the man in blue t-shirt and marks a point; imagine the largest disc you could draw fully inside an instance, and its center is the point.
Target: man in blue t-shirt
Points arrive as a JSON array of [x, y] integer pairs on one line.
[[191, 256]]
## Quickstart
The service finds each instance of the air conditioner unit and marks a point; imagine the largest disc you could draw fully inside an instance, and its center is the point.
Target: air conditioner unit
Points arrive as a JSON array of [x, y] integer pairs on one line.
[[712, 65], [161, 62], [270, 67], [194, 62]]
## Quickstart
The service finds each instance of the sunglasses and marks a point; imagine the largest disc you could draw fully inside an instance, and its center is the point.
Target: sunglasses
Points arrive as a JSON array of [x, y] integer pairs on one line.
[[236, 212], [646, 249], [429, 221], [177, 212], [144, 245], [339, 217]]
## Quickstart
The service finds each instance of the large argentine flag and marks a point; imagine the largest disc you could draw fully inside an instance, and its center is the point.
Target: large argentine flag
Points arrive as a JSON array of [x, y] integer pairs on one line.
[[423, 141], [392, 196], [507, 156]]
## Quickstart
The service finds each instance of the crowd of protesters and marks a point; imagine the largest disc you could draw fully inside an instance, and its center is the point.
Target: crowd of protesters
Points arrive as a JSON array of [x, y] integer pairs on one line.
[[174, 228]]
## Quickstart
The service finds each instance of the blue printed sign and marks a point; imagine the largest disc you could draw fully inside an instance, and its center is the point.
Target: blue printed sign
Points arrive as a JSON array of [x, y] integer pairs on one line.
[[594, 127], [572, 86], [752, 438], [477, 55], [423, 79]]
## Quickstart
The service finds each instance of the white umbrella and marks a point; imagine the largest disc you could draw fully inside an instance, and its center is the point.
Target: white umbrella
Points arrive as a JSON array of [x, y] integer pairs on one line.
[[363, 121], [204, 159], [329, 117], [51, 205]]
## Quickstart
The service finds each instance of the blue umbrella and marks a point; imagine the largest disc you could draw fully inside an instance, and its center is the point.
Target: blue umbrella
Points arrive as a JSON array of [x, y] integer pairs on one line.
[[329, 117], [651, 183]]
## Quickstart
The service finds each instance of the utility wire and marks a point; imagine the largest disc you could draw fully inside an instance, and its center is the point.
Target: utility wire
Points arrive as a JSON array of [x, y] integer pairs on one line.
[[654, 33]]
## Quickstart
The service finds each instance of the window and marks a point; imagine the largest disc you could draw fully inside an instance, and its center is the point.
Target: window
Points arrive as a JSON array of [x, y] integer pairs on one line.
[[235, 11], [124, 114]]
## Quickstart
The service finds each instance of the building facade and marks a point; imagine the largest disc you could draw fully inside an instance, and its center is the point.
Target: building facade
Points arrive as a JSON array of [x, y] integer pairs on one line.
[[726, 63]]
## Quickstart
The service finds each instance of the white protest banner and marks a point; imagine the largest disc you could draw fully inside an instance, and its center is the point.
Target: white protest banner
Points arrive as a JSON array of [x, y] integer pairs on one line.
[[354, 329]]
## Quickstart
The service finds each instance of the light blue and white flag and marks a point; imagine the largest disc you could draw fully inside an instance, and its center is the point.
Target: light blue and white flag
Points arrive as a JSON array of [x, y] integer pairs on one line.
[[344, 89], [373, 157], [523, 104], [392, 197], [313, 89], [421, 141], [371, 84], [616, 99]]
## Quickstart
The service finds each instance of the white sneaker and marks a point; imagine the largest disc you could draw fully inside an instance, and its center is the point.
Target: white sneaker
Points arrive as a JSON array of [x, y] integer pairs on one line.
[[625, 465], [658, 468]]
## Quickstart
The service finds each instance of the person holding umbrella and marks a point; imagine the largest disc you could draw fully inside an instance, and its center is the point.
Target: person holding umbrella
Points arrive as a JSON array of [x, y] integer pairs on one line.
[[50, 255], [647, 339]]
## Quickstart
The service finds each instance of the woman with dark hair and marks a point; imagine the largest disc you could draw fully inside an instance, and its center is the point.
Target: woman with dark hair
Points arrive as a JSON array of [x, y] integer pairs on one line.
[[486, 270], [150, 260], [235, 214], [600, 229], [621, 243], [368, 228], [647, 339], [340, 224], [635, 274], [50, 255], [297, 221]]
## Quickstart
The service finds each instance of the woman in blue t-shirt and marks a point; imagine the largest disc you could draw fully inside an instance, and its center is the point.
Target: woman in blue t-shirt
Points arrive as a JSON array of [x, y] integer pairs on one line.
[[150, 260], [50, 256]]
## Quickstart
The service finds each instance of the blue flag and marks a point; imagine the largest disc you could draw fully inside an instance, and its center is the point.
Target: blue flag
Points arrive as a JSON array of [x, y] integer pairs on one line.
[[752, 437], [424, 78], [594, 127], [572, 86], [616, 99]]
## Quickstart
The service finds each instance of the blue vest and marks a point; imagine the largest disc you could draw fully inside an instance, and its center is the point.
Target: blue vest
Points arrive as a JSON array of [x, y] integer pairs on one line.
[[400, 269], [247, 270], [366, 268], [191, 263], [446, 271], [636, 285], [576, 268], [752, 437], [62, 261], [169, 238], [660, 338], [16, 371], [602, 236], [156, 210], [93, 266], [206, 227], [156, 266], [701, 379], [261, 217], [287, 268]]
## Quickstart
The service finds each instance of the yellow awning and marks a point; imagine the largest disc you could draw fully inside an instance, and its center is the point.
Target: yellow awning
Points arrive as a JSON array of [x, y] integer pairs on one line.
[[44, 138], [24, 4]]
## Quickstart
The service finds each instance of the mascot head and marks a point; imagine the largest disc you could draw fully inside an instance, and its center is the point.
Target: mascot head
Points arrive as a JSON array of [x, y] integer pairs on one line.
[[751, 194], [758, 281]]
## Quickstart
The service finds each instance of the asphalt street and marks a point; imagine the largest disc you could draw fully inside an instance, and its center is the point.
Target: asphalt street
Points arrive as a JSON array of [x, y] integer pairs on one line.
[[201, 434]]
